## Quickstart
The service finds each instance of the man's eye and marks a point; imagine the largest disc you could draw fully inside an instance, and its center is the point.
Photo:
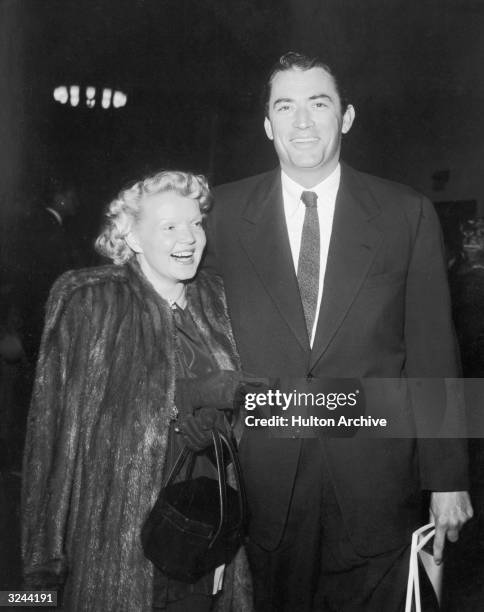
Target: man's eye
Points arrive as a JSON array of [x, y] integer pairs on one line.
[[198, 223], [320, 104], [284, 108], [168, 227]]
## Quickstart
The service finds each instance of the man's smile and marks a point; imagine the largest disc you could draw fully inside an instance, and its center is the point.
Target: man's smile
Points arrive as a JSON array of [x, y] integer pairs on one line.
[[304, 141]]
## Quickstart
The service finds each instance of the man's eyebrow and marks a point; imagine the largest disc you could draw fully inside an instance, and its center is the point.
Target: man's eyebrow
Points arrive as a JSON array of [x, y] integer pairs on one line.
[[322, 95], [313, 97], [279, 100]]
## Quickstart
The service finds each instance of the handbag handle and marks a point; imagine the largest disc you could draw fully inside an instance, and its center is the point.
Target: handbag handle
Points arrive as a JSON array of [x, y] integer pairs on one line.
[[217, 438]]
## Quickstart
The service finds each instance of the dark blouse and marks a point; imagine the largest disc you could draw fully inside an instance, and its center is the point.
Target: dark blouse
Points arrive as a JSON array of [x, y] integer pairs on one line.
[[193, 360]]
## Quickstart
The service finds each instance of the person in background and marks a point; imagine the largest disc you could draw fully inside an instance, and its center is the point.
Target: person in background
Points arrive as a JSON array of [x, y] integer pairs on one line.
[[12, 358], [101, 428], [44, 249], [38, 249]]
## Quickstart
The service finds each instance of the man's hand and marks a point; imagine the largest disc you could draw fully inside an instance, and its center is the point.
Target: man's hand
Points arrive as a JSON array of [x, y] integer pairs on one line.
[[449, 511]]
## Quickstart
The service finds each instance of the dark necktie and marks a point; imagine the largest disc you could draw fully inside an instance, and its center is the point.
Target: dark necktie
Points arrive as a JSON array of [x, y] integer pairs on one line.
[[308, 264]]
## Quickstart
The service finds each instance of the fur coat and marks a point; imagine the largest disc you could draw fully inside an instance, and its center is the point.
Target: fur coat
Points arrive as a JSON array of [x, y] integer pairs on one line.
[[97, 433]]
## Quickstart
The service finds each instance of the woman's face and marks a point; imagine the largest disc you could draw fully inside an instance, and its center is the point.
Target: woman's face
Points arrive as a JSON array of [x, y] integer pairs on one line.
[[168, 239]]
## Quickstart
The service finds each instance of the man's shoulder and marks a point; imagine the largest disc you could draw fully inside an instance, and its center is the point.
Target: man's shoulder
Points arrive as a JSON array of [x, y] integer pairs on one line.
[[245, 185], [380, 186], [396, 200]]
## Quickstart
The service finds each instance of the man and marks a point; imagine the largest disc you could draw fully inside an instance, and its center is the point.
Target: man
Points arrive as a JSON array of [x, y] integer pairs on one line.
[[333, 273]]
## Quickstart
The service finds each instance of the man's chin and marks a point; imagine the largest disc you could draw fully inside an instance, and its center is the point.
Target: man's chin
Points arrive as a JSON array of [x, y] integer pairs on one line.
[[309, 162]]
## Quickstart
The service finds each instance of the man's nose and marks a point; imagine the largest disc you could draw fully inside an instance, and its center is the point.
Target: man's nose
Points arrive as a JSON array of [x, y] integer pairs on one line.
[[302, 118]]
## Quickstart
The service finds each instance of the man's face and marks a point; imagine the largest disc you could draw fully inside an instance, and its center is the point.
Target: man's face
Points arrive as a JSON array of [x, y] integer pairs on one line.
[[306, 122]]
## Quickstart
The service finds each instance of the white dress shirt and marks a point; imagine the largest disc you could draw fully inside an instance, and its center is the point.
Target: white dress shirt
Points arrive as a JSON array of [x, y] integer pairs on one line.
[[294, 211]]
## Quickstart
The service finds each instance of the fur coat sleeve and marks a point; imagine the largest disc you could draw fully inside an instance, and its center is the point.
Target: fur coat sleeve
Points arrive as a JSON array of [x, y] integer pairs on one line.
[[98, 428]]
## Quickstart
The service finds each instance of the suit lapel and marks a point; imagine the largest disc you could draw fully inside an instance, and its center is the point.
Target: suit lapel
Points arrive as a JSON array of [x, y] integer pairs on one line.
[[353, 245], [264, 236]]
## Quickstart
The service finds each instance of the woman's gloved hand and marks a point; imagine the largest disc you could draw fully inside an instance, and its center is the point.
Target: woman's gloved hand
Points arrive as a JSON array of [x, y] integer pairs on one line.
[[224, 390], [196, 429]]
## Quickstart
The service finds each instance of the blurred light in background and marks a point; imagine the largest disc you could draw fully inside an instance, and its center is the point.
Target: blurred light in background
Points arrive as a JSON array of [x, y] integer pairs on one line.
[[106, 103], [90, 97], [61, 95], [119, 99], [72, 95]]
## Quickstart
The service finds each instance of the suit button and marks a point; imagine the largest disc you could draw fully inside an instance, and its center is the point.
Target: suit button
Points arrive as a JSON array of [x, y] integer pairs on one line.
[[310, 375]]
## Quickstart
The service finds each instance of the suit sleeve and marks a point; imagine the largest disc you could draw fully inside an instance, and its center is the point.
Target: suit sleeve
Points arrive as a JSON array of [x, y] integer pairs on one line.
[[432, 353], [210, 259], [52, 441]]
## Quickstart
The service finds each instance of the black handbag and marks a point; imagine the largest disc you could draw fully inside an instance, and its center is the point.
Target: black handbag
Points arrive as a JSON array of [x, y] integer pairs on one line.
[[199, 523]]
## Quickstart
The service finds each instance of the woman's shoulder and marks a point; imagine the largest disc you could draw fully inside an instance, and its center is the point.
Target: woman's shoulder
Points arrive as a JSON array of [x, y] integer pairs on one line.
[[209, 282], [207, 294], [73, 281], [81, 291]]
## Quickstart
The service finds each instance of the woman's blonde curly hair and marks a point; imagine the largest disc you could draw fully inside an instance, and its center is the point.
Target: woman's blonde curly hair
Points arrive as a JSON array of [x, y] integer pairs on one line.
[[124, 211]]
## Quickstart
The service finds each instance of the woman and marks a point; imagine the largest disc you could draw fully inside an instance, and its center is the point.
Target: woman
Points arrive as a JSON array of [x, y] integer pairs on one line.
[[115, 339]]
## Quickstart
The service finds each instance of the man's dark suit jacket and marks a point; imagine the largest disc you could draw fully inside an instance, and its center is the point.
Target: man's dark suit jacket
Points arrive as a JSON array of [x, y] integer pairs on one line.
[[385, 312]]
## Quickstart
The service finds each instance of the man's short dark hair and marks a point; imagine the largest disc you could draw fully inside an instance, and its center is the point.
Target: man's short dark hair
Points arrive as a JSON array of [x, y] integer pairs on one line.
[[299, 61]]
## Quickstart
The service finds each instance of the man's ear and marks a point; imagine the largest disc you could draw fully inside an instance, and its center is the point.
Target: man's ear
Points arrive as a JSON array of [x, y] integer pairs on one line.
[[268, 128], [133, 243], [348, 118]]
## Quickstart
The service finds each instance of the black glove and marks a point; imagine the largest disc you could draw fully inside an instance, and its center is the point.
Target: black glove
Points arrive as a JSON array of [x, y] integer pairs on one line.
[[216, 390], [223, 390], [196, 429]]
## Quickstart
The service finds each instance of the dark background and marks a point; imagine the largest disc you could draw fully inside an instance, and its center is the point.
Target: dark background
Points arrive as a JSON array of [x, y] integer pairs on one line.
[[192, 70]]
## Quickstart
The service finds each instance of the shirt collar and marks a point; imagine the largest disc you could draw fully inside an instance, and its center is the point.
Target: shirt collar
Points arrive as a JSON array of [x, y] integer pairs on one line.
[[292, 190]]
